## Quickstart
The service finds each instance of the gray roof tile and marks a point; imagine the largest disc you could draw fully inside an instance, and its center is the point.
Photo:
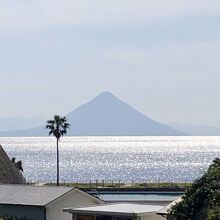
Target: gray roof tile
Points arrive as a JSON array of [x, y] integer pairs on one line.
[[30, 195]]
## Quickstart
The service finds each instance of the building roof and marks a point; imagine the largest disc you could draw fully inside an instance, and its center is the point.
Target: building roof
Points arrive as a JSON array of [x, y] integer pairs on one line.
[[127, 209], [30, 195], [165, 210]]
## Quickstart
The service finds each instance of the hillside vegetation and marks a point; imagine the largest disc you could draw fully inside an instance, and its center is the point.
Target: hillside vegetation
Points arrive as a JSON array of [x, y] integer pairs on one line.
[[202, 200]]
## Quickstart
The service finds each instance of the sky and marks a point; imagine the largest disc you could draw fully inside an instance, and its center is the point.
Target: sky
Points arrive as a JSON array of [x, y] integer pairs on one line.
[[161, 57]]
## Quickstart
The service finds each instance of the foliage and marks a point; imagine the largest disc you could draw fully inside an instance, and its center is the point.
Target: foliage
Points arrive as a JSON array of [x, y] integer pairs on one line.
[[17, 164], [202, 200], [58, 127]]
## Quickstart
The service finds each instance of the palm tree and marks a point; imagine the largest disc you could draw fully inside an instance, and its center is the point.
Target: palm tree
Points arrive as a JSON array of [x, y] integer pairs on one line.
[[58, 127]]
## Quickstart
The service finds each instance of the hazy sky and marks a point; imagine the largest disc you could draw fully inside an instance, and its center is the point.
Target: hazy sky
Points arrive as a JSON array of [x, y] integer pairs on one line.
[[162, 57]]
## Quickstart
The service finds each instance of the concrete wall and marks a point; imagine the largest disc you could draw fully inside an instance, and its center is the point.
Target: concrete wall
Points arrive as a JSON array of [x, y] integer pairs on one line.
[[152, 217], [30, 212], [75, 198]]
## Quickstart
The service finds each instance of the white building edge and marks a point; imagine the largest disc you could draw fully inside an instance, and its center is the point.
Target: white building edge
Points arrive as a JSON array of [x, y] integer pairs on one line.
[[116, 211], [42, 203], [51, 203]]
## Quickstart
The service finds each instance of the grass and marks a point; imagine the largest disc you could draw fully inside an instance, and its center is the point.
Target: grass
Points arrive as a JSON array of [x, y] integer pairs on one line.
[[117, 185]]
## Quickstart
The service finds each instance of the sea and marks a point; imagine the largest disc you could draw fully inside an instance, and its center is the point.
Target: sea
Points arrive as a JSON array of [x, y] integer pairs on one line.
[[124, 159]]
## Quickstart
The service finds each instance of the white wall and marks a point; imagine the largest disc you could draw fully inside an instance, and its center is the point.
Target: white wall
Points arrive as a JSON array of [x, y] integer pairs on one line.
[[75, 198]]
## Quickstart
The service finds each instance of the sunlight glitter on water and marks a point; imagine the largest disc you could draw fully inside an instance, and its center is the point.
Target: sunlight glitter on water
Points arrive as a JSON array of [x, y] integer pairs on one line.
[[141, 159]]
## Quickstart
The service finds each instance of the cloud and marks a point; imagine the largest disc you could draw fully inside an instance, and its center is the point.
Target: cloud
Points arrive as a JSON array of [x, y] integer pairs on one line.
[[170, 55], [34, 15]]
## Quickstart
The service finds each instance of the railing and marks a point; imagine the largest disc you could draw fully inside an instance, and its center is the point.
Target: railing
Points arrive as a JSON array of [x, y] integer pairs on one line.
[[102, 184]]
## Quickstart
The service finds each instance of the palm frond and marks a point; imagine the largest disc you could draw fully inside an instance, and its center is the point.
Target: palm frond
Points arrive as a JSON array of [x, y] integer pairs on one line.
[[52, 122], [65, 125], [63, 131], [51, 127], [57, 119], [58, 126], [50, 132]]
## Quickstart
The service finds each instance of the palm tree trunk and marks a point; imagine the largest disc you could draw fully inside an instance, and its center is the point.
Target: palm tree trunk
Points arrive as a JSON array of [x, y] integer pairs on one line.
[[58, 173]]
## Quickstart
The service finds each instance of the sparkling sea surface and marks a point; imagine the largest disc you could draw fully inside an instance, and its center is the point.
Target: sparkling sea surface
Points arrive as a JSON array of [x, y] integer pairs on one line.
[[150, 159]]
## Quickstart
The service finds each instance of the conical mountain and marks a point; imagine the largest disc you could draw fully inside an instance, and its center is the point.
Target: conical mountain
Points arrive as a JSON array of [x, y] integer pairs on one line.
[[9, 174], [106, 115]]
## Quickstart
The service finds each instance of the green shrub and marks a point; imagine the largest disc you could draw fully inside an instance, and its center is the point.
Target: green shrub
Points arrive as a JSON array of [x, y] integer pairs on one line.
[[202, 200]]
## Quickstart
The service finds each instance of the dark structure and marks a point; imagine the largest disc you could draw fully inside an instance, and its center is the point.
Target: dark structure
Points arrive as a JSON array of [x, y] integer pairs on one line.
[[9, 174]]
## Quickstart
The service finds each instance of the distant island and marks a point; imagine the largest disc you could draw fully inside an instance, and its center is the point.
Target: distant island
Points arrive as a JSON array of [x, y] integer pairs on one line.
[[106, 115], [196, 130]]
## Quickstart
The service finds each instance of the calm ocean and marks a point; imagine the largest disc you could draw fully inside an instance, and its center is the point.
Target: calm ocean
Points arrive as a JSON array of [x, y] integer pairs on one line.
[[141, 159]]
